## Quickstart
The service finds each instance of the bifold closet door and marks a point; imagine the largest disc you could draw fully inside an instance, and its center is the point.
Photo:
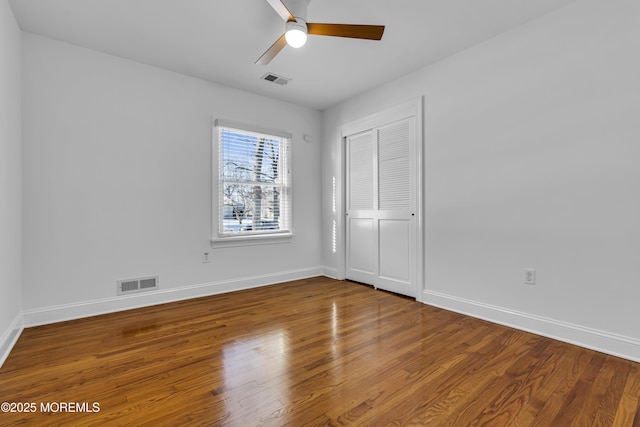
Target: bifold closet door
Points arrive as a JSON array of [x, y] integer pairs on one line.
[[381, 206]]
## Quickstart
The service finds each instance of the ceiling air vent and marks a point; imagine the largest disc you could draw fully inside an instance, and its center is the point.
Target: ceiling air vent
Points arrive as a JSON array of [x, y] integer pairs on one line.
[[131, 286], [274, 78]]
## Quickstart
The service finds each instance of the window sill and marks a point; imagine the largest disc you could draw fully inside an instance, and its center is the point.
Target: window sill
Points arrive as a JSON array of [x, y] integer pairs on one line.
[[260, 239]]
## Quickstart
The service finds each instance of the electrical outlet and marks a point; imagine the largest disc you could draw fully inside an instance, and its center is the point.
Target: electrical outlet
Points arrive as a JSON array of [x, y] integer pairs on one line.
[[529, 276], [205, 257]]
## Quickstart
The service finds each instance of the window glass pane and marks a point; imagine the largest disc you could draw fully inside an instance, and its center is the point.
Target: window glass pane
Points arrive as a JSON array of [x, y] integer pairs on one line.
[[252, 208], [253, 192], [250, 157]]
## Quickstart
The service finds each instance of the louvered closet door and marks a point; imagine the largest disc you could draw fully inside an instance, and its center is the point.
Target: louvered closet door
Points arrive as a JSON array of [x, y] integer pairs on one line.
[[361, 218], [381, 198]]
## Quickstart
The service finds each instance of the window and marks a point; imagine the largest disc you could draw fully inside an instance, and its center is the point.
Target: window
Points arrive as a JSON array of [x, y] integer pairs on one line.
[[251, 182]]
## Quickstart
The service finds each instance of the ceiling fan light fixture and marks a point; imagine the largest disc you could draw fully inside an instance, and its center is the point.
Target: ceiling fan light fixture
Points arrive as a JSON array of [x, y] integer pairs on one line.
[[296, 33], [294, 14]]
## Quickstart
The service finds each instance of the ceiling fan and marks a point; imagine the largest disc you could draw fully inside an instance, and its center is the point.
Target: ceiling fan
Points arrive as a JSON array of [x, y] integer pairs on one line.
[[294, 13]]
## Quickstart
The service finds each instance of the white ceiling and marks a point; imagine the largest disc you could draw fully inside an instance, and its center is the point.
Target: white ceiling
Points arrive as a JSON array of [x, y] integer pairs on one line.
[[219, 40]]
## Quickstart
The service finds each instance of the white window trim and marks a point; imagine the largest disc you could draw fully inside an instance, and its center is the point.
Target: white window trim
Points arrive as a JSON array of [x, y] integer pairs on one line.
[[246, 239]]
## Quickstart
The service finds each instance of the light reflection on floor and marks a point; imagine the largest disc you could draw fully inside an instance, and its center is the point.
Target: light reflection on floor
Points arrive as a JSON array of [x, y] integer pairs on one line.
[[256, 370]]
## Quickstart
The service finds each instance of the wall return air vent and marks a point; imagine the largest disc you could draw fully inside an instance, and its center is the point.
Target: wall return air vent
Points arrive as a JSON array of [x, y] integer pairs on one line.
[[274, 78], [132, 286]]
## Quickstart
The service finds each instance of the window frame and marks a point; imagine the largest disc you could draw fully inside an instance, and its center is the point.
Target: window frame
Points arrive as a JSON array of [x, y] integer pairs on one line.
[[218, 238]]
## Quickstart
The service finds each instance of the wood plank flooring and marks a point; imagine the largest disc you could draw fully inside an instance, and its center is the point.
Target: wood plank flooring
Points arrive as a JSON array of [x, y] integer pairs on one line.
[[316, 352]]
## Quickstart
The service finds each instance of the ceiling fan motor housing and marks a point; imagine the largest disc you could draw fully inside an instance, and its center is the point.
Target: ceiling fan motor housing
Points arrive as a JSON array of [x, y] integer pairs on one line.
[[298, 9], [300, 25]]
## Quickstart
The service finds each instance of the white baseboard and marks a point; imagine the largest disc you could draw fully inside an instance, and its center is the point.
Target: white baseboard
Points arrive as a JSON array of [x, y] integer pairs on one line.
[[605, 342], [60, 313], [10, 337], [330, 272]]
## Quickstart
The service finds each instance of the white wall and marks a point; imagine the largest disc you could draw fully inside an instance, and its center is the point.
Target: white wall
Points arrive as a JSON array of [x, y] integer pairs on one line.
[[532, 141], [10, 179], [117, 166]]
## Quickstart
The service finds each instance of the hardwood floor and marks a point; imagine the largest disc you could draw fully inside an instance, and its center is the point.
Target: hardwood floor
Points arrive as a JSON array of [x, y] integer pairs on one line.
[[310, 353]]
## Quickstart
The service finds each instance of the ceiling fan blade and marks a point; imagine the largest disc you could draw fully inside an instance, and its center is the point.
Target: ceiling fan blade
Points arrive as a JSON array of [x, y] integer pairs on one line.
[[369, 32], [282, 10], [272, 51]]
